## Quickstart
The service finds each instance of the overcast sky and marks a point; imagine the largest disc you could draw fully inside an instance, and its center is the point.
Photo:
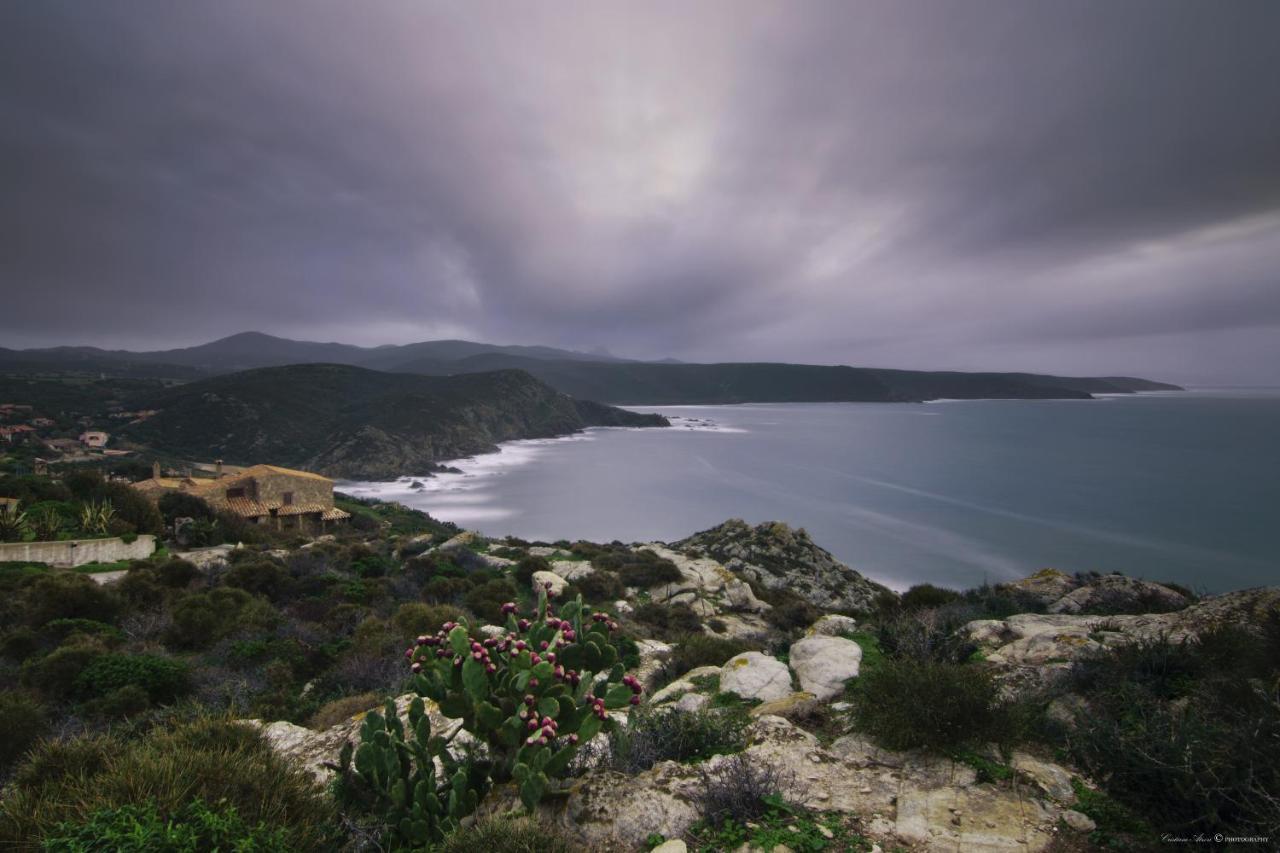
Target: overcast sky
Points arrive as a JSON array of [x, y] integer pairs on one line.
[[1078, 187]]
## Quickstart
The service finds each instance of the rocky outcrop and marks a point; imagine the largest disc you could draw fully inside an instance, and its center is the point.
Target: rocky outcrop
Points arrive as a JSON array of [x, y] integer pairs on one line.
[[753, 675], [1044, 644], [1042, 588], [1120, 594], [706, 585], [824, 664], [931, 803], [777, 556]]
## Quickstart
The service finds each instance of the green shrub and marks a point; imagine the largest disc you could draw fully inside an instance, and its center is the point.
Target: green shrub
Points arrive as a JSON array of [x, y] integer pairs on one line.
[[926, 595], [486, 600], [143, 829], [202, 618], [695, 650], [601, 586], [23, 721], [124, 702], [905, 704], [795, 614], [260, 577], [505, 834], [669, 620], [176, 573], [182, 505], [164, 679], [66, 782], [340, 710], [55, 674], [445, 590], [530, 714], [524, 570], [668, 734], [69, 595], [1186, 733], [140, 588], [60, 629], [649, 572], [18, 644]]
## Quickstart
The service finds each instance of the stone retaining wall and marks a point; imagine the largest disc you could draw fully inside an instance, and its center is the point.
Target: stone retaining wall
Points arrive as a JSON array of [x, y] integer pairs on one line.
[[77, 552]]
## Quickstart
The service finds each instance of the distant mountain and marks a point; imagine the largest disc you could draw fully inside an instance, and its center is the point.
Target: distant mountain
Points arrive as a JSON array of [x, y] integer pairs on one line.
[[347, 421], [249, 350], [651, 383], [592, 376]]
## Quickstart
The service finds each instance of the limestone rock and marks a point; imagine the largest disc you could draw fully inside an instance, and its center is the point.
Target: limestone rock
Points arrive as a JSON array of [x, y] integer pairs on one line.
[[675, 845], [623, 608], [654, 655], [1049, 777], [833, 625], [205, 559], [753, 675], [824, 664], [692, 702], [1078, 821], [550, 581], [465, 539], [571, 570], [777, 556], [1044, 587], [672, 692], [797, 704]]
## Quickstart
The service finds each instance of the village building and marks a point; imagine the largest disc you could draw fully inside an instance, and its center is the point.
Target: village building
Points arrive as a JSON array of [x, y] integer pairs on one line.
[[280, 498], [94, 438], [9, 433]]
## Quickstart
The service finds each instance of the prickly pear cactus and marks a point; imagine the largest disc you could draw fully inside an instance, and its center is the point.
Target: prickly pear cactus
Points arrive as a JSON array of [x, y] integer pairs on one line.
[[531, 696]]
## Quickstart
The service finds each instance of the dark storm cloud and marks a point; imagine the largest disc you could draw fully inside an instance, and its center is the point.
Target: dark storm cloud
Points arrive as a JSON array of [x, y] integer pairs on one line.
[[1089, 187]]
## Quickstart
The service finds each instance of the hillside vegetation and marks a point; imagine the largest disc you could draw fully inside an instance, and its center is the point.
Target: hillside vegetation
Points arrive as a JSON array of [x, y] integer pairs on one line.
[[349, 422]]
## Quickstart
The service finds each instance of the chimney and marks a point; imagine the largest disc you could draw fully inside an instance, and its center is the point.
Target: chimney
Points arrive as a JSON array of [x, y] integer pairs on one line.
[[217, 470], [155, 470]]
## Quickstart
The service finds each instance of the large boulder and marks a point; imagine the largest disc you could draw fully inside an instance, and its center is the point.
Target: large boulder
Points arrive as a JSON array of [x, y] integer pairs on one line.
[[777, 556], [572, 570], [1120, 594], [833, 625], [823, 664], [550, 581], [753, 675]]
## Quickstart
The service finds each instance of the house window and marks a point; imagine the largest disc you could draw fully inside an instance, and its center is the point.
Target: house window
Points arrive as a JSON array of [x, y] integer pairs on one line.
[[288, 498], [235, 493]]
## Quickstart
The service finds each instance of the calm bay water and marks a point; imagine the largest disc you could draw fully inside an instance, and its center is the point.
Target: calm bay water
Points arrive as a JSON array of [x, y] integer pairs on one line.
[[1176, 486]]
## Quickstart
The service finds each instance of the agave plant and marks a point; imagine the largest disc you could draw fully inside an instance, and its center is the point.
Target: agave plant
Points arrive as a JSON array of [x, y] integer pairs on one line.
[[46, 523], [13, 523], [96, 517]]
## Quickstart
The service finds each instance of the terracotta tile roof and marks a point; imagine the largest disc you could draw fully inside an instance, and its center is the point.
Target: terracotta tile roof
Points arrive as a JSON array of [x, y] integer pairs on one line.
[[300, 509], [247, 507], [335, 514], [274, 469]]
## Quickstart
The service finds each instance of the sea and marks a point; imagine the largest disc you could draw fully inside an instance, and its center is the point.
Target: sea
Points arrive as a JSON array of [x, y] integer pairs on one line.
[[1176, 486]]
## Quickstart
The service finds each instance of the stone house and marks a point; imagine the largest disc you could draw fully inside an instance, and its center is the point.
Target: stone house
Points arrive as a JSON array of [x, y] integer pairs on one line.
[[280, 498]]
